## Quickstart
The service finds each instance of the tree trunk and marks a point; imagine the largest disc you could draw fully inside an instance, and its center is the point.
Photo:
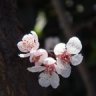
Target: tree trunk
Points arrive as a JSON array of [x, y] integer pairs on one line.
[[15, 80]]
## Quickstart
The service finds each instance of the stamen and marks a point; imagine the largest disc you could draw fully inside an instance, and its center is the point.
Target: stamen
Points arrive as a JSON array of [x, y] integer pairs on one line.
[[28, 45], [36, 58], [50, 68], [65, 57]]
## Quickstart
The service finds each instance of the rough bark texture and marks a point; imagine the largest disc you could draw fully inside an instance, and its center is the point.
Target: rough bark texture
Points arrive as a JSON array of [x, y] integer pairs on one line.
[[14, 78]]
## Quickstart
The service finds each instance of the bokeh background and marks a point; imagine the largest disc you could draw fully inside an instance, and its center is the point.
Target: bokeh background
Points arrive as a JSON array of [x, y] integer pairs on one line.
[[54, 21]]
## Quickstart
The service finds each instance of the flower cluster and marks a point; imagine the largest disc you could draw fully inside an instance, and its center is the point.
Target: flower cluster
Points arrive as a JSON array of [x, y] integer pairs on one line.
[[50, 67]]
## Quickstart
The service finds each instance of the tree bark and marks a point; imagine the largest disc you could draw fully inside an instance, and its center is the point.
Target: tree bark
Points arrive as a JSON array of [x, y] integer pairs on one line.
[[15, 80]]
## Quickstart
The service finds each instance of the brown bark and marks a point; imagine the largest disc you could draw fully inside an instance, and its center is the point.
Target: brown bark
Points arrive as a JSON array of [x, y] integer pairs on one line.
[[15, 80]]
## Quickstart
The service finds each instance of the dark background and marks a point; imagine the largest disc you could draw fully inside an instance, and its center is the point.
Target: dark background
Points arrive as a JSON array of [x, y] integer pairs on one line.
[[18, 17]]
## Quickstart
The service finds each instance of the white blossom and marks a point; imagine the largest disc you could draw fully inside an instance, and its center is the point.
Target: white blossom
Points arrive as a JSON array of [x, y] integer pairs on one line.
[[38, 56], [48, 76], [28, 43], [66, 54]]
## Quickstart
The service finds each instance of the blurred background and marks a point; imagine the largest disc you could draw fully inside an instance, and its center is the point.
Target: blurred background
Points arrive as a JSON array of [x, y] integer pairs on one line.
[[54, 21]]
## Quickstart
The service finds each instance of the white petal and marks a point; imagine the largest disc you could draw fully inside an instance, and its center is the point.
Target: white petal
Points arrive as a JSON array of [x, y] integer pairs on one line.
[[60, 63], [36, 69], [76, 59], [30, 59], [44, 80], [21, 47], [49, 60], [32, 52], [32, 40], [74, 45], [36, 39], [42, 53], [65, 71], [36, 46], [38, 63], [43, 75], [34, 35], [59, 48], [54, 80], [28, 37], [24, 55], [43, 56], [25, 37]]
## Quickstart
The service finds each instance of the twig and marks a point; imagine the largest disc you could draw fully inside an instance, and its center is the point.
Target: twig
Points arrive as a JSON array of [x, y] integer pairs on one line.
[[62, 19]]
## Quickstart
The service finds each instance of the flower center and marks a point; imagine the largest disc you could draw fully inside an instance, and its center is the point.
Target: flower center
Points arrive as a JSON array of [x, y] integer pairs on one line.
[[36, 58], [50, 68], [28, 45], [65, 57]]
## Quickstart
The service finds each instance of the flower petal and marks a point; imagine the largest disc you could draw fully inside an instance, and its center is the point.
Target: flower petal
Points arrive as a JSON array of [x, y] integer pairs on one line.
[[35, 39], [60, 63], [24, 55], [54, 80], [43, 56], [36, 46], [59, 48], [64, 71], [27, 37], [43, 75], [34, 35], [40, 54], [74, 45], [36, 69], [21, 47], [44, 80], [76, 59], [32, 52], [31, 40], [49, 61]]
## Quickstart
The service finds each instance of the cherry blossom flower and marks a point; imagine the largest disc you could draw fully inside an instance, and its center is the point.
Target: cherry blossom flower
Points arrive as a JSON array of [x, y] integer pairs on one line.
[[66, 54], [38, 56], [29, 42], [48, 76]]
